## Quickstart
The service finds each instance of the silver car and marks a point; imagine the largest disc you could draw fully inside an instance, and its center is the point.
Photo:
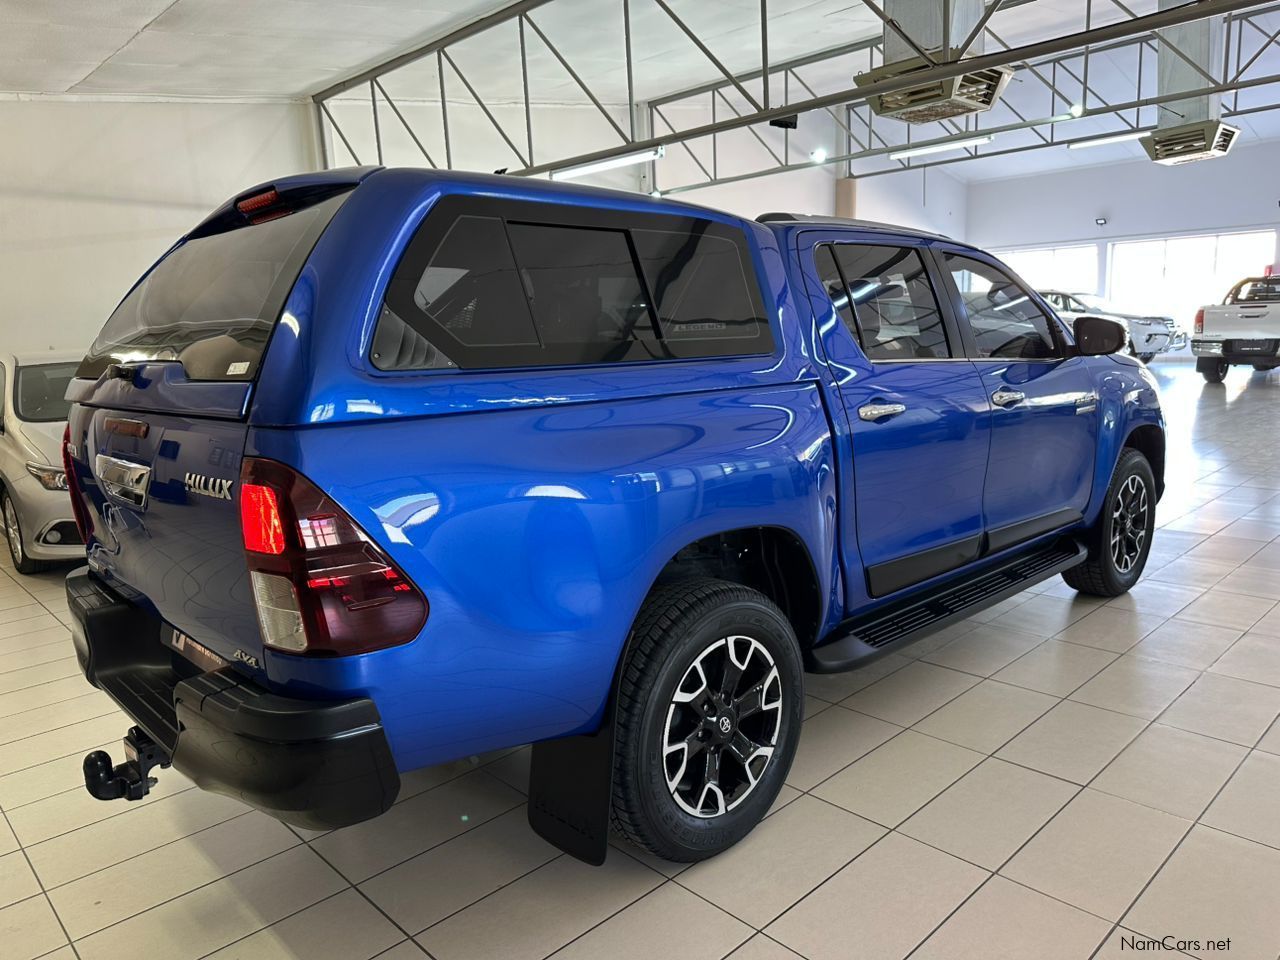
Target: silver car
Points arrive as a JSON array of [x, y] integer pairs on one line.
[[34, 503]]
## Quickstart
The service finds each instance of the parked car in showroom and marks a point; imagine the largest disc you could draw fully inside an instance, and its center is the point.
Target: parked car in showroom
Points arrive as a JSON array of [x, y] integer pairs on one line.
[[38, 524], [381, 468], [1243, 329], [1148, 336]]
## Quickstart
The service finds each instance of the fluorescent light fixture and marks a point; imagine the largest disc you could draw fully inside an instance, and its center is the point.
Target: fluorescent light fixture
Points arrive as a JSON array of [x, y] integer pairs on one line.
[[818, 156], [1103, 141], [626, 160], [940, 147]]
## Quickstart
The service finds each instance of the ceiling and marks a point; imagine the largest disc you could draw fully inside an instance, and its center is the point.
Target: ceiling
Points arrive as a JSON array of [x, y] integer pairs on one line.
[[211, 48], [289, 49]]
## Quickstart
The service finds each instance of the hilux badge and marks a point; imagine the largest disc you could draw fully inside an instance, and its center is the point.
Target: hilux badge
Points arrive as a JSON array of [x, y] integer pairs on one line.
[[214, 487]]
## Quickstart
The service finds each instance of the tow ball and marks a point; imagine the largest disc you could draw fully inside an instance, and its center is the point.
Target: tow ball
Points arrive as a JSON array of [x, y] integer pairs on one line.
[[132, 779]]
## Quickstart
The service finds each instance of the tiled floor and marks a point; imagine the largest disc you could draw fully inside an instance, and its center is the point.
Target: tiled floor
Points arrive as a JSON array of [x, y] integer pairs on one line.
[[1044, 781]]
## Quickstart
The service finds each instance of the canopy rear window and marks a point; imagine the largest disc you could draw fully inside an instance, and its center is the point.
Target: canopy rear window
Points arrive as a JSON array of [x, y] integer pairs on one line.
[[213, 301], [489, 283]]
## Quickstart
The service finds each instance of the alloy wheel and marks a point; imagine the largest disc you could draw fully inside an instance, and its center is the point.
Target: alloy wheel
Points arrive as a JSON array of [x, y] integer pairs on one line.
[[1129, 516], [12, 531], [722, 726]]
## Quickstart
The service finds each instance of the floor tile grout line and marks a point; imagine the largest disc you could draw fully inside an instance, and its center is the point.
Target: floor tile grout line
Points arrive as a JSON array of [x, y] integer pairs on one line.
[[8, 743], [1164, 862], [91, 823], [289, 916], [185, 893], [43, 892], [142, 853]]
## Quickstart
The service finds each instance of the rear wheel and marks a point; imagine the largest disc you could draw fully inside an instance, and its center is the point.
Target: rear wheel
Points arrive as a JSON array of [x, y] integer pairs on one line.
[[1213, 371], [708, 717], [1263, 367], [1146, 357], [1122, 535], [13, 537]]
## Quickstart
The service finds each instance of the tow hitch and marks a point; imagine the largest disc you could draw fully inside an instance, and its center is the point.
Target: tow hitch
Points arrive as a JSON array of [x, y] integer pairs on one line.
[[131, 779]]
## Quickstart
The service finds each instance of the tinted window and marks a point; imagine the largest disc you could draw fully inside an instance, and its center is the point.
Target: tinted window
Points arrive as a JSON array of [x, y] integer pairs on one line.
[[489, 283], [583, 288], [471, 288], [212, 302], [700, 284], [40, 392], [1006, 322], [893, 303]]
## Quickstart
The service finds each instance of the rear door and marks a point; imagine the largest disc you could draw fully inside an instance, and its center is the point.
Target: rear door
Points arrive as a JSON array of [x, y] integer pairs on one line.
[[916, 409], [157, 431], [1044, 419]]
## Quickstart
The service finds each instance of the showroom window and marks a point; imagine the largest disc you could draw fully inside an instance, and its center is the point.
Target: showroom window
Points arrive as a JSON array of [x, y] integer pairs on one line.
[[1176, 276], [888, 303], [1073, 269], [1005, 320]]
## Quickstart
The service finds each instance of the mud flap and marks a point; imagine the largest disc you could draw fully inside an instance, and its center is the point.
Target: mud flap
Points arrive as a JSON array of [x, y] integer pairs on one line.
[[570, 788]]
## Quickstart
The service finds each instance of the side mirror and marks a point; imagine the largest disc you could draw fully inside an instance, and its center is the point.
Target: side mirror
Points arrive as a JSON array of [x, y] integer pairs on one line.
[[1097, 336]]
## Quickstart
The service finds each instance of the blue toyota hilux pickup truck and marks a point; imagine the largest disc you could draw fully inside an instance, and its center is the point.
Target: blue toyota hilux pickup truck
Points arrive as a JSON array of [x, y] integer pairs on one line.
[[379, 468]]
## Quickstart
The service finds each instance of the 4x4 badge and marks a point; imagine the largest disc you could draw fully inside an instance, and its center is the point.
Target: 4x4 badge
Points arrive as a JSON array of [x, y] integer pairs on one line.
[[209, 486]]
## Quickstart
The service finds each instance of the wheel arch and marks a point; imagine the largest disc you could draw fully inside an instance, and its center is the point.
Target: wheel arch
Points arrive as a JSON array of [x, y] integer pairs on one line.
[[1149, 440], [771, 559]]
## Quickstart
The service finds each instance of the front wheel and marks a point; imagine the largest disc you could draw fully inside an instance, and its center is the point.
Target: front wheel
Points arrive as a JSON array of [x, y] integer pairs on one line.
[[1213, 371], [708, 716], [1122, 534], [13, 537], [1263, 367]]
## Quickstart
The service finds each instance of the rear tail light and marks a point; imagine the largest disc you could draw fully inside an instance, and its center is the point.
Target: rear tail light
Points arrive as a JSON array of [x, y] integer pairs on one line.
[[1200, 320], [83, 524], [321, 586]]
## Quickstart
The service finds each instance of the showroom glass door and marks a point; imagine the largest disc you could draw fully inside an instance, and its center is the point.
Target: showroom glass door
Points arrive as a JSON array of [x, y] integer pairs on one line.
[[916, 413], [1044, 418]]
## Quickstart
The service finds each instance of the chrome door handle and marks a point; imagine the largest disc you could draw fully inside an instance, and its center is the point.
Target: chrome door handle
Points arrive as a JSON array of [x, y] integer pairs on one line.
[[875, 411], [123, 479], [1007, 398]]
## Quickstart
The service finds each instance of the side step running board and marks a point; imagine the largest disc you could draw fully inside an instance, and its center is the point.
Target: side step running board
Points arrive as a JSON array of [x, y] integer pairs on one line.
[[865, 638]]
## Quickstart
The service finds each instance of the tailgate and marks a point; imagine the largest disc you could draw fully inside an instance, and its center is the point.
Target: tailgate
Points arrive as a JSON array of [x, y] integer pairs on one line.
[[1242, 321], [160, 492]]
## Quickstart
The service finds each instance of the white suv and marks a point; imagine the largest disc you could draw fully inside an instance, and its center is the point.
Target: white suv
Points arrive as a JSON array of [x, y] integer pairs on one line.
[[1147, 335]]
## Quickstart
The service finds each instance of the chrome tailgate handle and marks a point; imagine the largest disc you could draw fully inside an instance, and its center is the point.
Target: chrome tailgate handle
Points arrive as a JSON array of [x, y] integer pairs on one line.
[[1007, 398], [877, 411], [123, 479]]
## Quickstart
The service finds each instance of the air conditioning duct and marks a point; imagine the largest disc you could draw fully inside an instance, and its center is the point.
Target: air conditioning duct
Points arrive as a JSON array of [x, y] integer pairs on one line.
[[1190, 141], [933, 99], [1189, 128]]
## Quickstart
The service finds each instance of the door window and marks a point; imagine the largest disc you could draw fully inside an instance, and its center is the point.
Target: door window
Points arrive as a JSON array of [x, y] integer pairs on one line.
[[885, 297], [1006, 322]]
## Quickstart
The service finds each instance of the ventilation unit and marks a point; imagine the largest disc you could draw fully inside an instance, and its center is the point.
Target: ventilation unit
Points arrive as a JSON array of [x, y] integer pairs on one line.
[[1190, 141], [932, 99], [1189, 128]]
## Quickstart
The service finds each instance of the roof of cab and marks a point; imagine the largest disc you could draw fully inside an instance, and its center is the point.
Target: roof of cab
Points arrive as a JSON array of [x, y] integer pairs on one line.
[[791, 219]]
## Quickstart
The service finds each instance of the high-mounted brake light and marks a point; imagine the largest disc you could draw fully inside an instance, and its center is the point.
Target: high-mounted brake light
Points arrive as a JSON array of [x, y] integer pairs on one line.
[[321, 586], [1200, 320], [78, 511], [258, 201]]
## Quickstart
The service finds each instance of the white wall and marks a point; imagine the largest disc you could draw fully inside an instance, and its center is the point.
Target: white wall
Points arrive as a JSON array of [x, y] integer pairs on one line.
[[1138, 199], [92, 192], [925, 199]]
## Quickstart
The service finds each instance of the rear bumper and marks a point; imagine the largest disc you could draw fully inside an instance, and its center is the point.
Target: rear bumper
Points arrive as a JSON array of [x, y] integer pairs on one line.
[[1235, 350], [318, 764]]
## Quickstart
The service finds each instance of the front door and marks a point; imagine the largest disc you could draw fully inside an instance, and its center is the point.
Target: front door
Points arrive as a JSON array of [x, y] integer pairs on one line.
[[1044, 405], [916, 410]]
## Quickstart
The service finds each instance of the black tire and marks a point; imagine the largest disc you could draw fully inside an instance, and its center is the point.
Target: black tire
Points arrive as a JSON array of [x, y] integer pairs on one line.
[[680, 630], [1213, 371], [1263, 367], [1118, 554], [14, 539], [1146, 357]]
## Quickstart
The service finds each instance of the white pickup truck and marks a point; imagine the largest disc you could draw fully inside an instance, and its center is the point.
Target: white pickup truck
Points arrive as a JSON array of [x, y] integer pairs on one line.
[[1244, 328]]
